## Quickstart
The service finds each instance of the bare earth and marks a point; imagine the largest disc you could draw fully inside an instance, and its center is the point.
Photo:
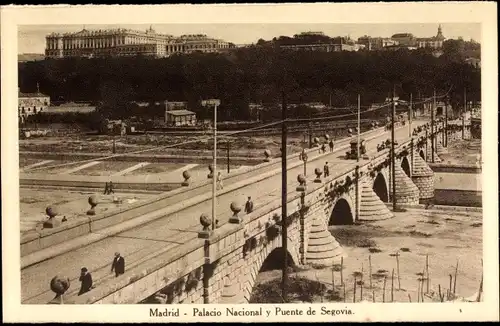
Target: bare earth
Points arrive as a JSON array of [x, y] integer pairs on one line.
[[463, 152], [445, 236], [72, 204]]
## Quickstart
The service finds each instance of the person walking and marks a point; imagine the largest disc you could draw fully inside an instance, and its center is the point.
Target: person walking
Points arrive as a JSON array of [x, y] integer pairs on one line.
[[323, 148], [111, 188], [326, 170], [219, 181], [86, 280], [249, 205], [118, 265], [106, 188], [331, 145]]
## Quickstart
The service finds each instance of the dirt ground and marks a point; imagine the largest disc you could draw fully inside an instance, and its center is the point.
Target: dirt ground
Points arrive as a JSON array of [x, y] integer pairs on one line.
[[447, 237], [463, 152], [72, 204]]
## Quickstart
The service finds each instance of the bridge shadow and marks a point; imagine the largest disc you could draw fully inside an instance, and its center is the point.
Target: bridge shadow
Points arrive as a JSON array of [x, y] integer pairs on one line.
[[341, 214]]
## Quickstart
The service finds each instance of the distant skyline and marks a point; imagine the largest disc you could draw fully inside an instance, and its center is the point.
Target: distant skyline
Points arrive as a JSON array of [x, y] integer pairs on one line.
[[31, 38]]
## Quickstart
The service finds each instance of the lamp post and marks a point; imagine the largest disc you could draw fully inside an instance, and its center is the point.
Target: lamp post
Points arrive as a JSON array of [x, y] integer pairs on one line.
[[215, 103], [432, 126], [284, 215], [393, 154]]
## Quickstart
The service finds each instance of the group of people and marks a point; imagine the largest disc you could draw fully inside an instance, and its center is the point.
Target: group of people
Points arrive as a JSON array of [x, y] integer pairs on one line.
[[118, 266], [322, 148]]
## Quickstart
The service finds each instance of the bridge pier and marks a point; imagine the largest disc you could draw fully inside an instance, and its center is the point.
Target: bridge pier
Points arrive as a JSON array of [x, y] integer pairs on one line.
[[406, 191], [322, 248], [372, 208], [423, 178]]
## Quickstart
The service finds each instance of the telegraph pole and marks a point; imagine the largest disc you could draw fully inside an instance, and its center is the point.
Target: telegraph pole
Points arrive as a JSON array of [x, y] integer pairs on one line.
[[393, 154], [214, 178], [284, 231], [228, 168], [446, 125], [359, 127], [464, 111], [410, 118], [432, 126]]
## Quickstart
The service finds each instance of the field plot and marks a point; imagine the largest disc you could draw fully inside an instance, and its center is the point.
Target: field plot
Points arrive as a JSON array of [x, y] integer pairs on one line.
[[104, 168], [463, 152], [72, 204], [445, 237], [154, 168]]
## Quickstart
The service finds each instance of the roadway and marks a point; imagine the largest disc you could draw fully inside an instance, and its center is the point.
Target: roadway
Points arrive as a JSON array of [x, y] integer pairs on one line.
[[146, 241]]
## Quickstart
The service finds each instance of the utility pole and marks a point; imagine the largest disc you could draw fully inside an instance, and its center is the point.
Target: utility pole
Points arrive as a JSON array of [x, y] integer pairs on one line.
[[393, 154], [284, 215], [410, 117], [446, 124], [214, 178], [359, 127], [228, 168], [432, 126], [463, 114]]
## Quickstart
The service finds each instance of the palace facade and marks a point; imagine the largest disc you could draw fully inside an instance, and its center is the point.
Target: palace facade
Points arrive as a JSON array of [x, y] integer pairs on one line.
[[126, 42]]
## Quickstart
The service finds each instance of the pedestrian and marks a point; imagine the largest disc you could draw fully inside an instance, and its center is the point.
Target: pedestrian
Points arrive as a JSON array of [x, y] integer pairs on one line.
[[86, 280], [323, 148], [111, 188], [219, 181], [331, 145], [249, 205], [106, 188], [326, 170], [118, 265]]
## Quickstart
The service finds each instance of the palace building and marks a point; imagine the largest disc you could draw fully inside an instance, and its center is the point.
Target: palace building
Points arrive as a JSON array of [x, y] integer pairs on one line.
[[126, 42]]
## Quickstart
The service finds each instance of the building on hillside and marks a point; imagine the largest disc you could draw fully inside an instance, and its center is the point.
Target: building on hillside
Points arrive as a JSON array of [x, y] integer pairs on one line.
[[127, 42], [71, 107], [407, 40], [178, 118], [474, 62], [376, 43], [31, 103], [435, 42], [336, 44]]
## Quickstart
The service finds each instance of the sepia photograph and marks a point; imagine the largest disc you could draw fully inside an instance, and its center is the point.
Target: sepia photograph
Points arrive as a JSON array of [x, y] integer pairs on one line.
[[314, 166]]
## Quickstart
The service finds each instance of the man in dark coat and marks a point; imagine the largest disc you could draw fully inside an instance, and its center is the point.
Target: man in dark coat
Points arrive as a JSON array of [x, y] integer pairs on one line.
[[86, 280], [331, 145], [249, 205], [326, 170], [118, 264]]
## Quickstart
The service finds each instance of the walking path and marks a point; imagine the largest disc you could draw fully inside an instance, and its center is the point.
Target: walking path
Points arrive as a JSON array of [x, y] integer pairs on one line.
[[81, 167], [34, 165], [130, 169]]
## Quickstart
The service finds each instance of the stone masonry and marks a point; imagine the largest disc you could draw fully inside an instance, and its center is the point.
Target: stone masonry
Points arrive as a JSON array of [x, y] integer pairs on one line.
[[371, 207], [406, 192], [423, 178], [323, 249]]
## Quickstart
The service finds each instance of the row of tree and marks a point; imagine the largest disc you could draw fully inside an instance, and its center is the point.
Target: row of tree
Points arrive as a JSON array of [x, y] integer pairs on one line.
[[251, 75]]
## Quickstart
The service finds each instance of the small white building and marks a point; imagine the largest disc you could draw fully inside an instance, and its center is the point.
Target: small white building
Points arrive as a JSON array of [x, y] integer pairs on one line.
[[179, 118]]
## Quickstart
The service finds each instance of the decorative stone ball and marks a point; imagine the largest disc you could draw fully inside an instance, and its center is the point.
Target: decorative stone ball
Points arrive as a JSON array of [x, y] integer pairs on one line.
[[211, 168], [316, 140], [93, 200], [267, 153], [51, 211], [204, 220], [318, 172], [59, 285], [349, 130], [186, 175], [235, 207], [301, 178], [327, 136]]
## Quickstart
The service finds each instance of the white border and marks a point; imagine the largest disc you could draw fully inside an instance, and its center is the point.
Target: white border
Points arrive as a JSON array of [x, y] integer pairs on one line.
[[442, 12]]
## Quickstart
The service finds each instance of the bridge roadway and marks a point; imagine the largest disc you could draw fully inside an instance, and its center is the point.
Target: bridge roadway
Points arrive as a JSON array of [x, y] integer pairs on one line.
[[147, 241]]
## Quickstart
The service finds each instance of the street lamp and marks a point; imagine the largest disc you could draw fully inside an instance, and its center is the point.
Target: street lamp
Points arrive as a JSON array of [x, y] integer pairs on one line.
[[215, 103]]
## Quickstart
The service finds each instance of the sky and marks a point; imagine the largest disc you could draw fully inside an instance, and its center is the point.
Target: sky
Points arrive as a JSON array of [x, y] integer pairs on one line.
[[32, 37]]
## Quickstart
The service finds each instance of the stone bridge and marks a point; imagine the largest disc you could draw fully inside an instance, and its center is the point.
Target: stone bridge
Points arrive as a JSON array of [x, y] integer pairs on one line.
[[221, 266]]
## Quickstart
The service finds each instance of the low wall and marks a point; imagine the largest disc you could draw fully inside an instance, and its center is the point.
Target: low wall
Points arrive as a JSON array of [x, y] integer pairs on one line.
[[455, 168], [452, 197]]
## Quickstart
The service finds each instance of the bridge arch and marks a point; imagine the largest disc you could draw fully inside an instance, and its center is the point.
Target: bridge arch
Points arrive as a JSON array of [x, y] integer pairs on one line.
[[268, 258], [405, 165], [380, 187], [422, 154], [342, 212]]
